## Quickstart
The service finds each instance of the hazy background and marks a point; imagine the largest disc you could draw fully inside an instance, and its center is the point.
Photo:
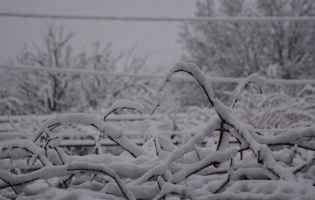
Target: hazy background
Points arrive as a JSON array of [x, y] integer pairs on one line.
[[157, 39], [274, 49]]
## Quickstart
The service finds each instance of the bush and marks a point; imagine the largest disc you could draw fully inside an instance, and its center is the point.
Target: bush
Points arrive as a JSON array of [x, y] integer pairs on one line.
[[260, 167]]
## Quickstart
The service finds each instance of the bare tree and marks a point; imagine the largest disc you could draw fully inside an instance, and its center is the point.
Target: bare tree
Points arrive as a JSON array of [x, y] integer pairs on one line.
[[45, 92], [274, 49]]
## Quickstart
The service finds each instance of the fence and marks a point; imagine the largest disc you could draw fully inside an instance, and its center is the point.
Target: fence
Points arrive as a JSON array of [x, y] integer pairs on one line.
[[14, 121], [134, 126]]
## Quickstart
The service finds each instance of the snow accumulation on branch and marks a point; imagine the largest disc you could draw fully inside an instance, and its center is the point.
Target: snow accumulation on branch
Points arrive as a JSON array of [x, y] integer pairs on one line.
[[254, 78], [258, 167], [125, 104]]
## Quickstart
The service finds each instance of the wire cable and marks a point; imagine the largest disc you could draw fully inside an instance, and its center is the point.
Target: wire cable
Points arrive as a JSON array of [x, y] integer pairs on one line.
[[177, 78], [164, 19]]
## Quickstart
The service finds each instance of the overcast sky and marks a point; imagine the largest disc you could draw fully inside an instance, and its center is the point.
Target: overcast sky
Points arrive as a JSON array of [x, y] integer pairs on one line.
[[158, 39]]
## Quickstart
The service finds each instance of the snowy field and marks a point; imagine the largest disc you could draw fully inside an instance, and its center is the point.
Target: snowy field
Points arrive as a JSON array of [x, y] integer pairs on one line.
[[260, 146]]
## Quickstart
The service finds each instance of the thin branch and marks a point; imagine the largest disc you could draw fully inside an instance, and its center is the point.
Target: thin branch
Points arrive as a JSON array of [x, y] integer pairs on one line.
[[9, 185], [48, 140], [27, 150], [221, 136], [159, 185], [122, 146], [218, 172], [156, 148], [222, 186], [303, 166], [68, 181], [212, 163], [18, 184], [53, 126], [59, 155], [197, 154], [121, 108], [116, 178]]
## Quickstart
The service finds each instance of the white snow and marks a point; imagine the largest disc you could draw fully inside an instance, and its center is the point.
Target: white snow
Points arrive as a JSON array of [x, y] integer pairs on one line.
[[258, 166]]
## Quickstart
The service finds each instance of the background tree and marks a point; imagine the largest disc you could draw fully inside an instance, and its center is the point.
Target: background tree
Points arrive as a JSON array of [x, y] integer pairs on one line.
[[45, 92], [102, 91], [274, 49]]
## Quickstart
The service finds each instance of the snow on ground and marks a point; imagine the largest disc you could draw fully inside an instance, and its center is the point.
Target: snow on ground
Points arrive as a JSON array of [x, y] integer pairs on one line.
[[223, 152]]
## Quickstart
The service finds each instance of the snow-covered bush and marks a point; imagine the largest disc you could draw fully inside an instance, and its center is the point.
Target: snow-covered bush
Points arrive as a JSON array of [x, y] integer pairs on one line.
[[278, 109], [260, 167], [10, 105]]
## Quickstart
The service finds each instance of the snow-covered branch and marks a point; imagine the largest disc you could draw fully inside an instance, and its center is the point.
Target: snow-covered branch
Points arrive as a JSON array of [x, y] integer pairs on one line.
[[278, 166]]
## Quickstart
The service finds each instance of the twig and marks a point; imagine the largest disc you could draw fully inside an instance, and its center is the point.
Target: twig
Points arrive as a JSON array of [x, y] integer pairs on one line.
[[48, 140], [221, 136], [218, 172], [103, 172], [18, 184], [27, 150], [68, 181], [122, 146], [156, 151], [303, 166], [203, 87], [121, 108], [9, 185], [53, 126], [59, 155], [197, 154], [212, 163], [222, 186], [159, 185]]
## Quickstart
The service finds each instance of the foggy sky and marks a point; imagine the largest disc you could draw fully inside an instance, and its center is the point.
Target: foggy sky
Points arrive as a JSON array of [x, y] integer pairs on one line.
[[158, 39]]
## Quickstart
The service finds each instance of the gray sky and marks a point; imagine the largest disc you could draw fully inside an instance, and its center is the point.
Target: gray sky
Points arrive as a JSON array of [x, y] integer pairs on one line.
[[156, 38]]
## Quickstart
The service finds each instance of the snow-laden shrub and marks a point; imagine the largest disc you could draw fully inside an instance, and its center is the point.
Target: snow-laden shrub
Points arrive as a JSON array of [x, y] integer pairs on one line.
[[10, 105], [278, 110], [260, 167]]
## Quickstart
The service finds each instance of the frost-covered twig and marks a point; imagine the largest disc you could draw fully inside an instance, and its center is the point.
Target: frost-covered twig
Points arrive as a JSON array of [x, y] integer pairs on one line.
[[124, 104], [27, 146], [229, 118], [213, 158], [9, 184], [113, 132], [43, 173], [253, 78], [159, 168], [195, 72], [97, 168], [168, 188], [119, 144]]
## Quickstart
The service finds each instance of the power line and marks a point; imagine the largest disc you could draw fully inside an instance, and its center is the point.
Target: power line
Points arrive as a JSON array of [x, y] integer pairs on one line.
[[181, 78], [165, 19]]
